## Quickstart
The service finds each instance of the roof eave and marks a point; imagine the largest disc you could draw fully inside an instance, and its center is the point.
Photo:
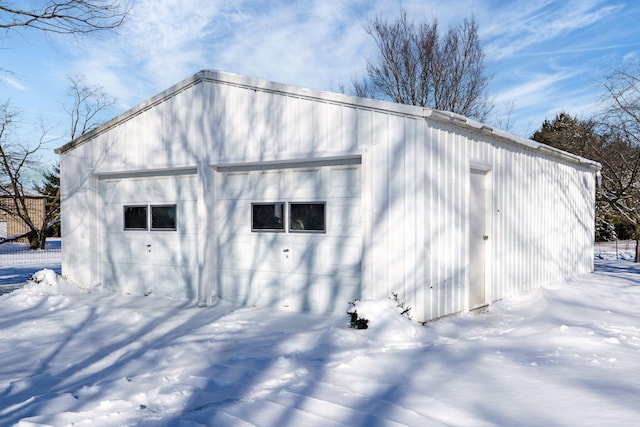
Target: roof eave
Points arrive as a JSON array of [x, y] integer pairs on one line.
[[464, 122]]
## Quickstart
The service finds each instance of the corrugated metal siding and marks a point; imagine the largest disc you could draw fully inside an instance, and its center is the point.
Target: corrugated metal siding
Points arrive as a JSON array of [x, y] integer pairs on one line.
[[541, 216], [415, 175], [77, 206]]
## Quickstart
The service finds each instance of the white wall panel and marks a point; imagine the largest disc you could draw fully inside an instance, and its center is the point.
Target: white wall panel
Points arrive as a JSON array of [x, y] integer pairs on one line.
[[414, 180], [77, 202], [534, 204]]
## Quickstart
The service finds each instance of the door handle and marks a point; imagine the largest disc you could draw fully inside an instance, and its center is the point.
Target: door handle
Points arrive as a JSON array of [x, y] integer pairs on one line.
[[485, 237], [285, 250]]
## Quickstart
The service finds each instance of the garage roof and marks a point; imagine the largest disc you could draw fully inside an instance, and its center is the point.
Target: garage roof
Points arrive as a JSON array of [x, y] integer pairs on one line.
[[273, 87]]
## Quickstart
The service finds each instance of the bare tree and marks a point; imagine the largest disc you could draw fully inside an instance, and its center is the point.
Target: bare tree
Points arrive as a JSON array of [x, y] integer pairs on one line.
[[88, 102], [68, 17], [416, 66], [65, 16], [621, 122], [17, 160]]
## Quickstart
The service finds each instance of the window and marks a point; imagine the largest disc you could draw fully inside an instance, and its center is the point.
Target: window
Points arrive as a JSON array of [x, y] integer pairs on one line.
[[307, 217], [135, 217], [267, 216], [163, 217]]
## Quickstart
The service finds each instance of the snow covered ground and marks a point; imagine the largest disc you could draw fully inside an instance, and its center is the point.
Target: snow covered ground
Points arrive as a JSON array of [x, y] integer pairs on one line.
[[565, 355]]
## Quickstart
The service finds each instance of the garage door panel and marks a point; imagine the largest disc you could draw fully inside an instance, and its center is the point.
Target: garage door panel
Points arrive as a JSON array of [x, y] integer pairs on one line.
[[305, 270], [308, 256], [266, 184], [347, 253], [251, 256], [121, 248], [173, 281], [235, 185], [128, 278], [131, 189], [344, 218], [187, 221], [112, 216], [307, 184], [264, 290], [172, 251], [233, 216], [139, 261]]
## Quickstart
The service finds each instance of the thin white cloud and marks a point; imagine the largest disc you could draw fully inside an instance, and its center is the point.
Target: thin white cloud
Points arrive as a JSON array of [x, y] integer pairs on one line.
[[11, 82], [541, 96], [322, 43], [531, 24], [631, 57], [312, 43], [533, 88], [303, 43]]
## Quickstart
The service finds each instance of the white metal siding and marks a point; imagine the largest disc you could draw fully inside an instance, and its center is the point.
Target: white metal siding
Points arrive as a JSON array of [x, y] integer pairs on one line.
[[77, 195], [541, 216], [415, 183]]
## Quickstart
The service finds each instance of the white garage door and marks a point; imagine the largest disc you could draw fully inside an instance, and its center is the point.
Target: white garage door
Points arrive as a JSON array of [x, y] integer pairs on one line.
[[290, 236], [148, 235]]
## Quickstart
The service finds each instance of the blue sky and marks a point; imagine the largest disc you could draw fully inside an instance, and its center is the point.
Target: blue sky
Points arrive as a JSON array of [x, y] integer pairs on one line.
[[543, 56]]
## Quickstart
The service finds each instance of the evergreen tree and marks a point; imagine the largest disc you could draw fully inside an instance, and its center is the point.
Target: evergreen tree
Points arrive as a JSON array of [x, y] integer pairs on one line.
[[50, 188], [570, 134], [620, 167]]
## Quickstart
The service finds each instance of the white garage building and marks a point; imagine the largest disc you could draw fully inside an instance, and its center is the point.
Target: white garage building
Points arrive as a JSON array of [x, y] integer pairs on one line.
[[273, 195]]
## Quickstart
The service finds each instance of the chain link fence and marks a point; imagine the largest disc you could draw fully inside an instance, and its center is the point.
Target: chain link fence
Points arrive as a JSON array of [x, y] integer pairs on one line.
[[18, 262]]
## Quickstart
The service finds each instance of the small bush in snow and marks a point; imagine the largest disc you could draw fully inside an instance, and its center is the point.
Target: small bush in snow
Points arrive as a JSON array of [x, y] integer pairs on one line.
[[376, 308], [404, 309], [356, 322]]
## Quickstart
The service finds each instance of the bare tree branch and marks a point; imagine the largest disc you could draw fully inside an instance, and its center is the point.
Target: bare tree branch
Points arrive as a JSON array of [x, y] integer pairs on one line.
[[88, 102], [17, 162], [66, 16], [416, 66]]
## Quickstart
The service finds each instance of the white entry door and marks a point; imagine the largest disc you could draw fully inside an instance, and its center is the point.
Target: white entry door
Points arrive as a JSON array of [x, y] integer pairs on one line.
[[477, 238], [290, 236]]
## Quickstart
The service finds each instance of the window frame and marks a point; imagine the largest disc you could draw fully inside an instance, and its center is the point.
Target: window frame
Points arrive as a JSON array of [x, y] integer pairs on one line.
[[269, 230], [175, 219], [307, 231], [124, 218]]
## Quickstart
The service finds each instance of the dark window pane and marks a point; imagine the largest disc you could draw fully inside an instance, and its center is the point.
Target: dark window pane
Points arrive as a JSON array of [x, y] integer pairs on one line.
[[163, 217], [135, 217], [307, 217], [267, 216]]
